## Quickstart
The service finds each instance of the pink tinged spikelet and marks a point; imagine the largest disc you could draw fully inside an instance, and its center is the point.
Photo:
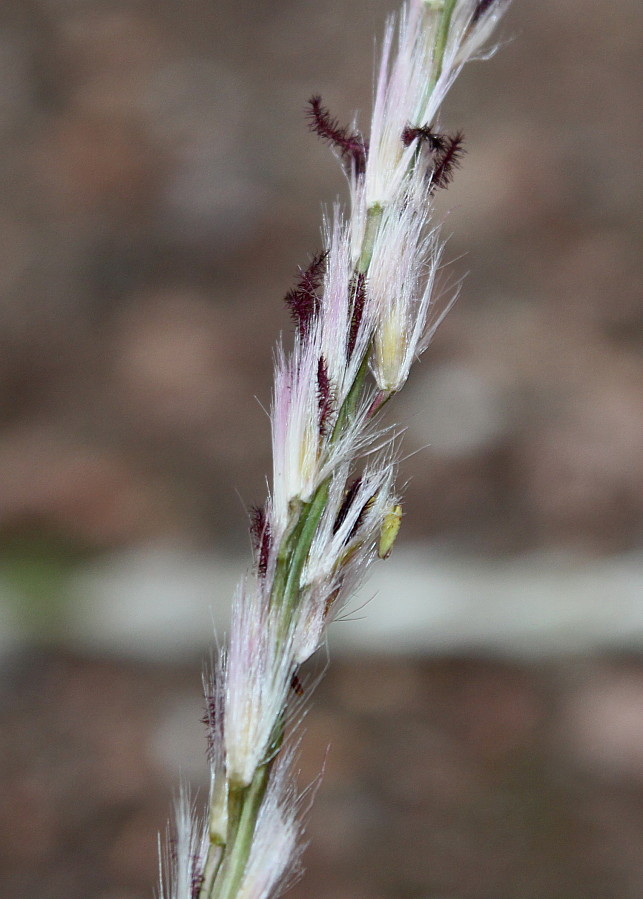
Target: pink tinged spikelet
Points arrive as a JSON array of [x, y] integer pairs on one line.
[[401, 83], [304, 300], [401, 279], [295, 428], [358, 219], [348, 529], [182, 862], [214, 693], [346, 328], [342, 550], [257, 675], [337, 310], [307, 395], [413, 83], [274, 861]]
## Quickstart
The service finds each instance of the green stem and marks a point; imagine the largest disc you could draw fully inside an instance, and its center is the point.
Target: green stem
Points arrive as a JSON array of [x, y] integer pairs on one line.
[[441, 40], [300, 551], [243, 808], [285, 552], [211, 869], [349, 405]]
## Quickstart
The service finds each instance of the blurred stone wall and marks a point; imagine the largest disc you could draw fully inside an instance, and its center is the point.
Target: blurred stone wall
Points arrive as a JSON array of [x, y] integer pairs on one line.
[[158, 191]]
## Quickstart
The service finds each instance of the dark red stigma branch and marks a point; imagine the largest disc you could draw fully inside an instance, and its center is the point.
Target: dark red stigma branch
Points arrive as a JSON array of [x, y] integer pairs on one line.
[[448, 160], [324, 396], [481, 8], [304, 300], [446, 149], [360, 518], [197, 877], [436, 142], [357, 288], [350, 144], [209, 719], [347, 502], [261, 538], [296, 685]]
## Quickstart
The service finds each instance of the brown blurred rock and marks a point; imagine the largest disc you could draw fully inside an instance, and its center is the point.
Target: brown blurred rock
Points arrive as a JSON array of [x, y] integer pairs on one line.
[[85, 493], [602, 723], [467, 778]]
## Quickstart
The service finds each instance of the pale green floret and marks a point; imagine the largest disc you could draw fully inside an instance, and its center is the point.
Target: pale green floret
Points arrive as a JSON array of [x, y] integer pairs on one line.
[[389, 531]]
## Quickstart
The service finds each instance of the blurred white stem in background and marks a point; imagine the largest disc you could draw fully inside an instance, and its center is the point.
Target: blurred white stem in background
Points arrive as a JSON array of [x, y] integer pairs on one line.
[[151, 603]]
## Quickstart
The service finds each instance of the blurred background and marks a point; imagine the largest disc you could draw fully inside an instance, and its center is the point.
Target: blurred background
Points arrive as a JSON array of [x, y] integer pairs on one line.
[[481, 722]]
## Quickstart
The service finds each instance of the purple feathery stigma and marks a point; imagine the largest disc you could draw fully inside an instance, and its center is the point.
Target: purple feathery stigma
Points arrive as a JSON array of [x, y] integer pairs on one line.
[[347, 502], [324, 395], [357, 289], [304, 299], [481, 8], [448, 160], [423, 133], [350, 144], [261, 538]]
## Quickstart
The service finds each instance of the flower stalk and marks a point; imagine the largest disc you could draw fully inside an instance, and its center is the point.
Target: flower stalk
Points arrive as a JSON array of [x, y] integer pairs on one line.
[[363, 313]]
